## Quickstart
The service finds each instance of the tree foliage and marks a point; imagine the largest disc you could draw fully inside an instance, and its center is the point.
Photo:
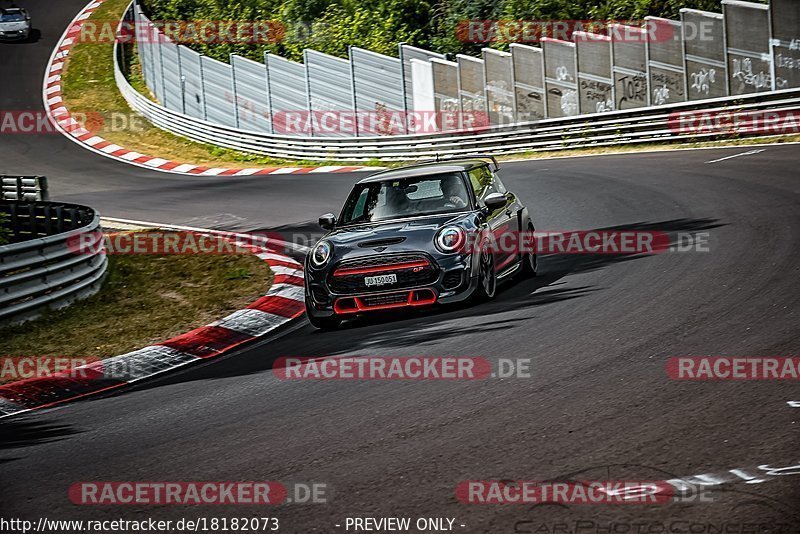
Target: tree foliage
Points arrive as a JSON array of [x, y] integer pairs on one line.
[[331, 26]]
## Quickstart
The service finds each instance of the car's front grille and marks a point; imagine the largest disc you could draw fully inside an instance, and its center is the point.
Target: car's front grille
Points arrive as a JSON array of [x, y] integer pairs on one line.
[[411, 270], [383, 300]]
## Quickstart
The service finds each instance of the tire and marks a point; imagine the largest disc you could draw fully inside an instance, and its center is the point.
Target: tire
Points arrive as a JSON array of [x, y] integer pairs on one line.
[[487, 279], [530, 261], [322, 323]]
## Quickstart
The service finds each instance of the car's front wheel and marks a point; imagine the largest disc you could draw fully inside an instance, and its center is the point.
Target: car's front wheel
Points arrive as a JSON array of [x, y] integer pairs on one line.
[[322, 323], [530, 262], [487, 280]]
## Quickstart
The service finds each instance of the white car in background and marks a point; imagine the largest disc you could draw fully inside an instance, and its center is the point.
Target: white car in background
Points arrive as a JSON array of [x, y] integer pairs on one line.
[[15, 24]]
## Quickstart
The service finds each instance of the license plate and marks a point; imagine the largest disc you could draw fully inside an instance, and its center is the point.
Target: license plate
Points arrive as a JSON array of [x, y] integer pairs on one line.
[[380, 280]]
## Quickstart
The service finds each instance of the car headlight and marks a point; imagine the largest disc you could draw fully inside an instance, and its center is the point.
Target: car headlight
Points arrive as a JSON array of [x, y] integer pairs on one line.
[[450, 238], [321, 254]]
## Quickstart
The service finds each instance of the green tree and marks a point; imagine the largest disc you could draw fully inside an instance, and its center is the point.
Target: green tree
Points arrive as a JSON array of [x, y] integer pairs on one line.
[[331, 25]]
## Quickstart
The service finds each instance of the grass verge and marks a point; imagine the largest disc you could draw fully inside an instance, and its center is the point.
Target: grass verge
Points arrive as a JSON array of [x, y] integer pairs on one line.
[[144, 299]]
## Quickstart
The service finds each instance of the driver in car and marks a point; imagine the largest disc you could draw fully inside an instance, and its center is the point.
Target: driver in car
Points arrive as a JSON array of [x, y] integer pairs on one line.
[[455, 196]]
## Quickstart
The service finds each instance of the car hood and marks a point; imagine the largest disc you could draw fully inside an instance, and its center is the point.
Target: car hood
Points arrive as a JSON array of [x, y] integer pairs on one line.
[[13, 26], [391, 236]]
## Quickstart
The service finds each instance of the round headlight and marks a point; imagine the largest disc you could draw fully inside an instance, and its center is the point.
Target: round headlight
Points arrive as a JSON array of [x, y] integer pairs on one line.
[[321, 254], [450, 238]]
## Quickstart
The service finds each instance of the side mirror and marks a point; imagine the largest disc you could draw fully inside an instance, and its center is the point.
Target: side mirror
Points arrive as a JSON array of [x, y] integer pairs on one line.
[[495, 201], [327, 221]]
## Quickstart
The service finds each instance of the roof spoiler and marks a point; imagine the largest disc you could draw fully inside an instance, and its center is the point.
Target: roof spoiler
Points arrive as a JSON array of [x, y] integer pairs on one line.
[[438, 159]]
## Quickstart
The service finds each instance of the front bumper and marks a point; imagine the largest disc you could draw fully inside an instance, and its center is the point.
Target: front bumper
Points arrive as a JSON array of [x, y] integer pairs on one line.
[[14, 35], [322, 301]]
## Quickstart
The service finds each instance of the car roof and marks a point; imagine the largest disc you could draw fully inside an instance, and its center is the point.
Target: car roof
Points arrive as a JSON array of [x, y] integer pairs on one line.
[[424, 169], [10, 10]]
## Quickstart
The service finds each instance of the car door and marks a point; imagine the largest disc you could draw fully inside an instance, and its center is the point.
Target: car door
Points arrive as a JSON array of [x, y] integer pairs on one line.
[[501, 222]]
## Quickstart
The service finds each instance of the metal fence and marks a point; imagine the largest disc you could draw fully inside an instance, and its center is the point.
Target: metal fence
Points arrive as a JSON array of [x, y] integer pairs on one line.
[[747, 48], [630, 126], [54, 257]]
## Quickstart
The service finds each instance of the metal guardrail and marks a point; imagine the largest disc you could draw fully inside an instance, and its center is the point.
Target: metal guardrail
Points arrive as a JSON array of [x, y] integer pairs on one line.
[[55, 256], [23, 187], [640, 125], [637, 126]]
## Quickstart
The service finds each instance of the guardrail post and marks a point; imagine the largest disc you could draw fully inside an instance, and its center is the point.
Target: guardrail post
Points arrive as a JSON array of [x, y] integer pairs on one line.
[[235, 95], [203, 89], [308, 94], [183, 94], [270, 111], [353, 89], [403, 86]]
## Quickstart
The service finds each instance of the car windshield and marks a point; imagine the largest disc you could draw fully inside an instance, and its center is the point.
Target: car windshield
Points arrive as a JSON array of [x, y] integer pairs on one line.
[[12, 17], [406, 197]]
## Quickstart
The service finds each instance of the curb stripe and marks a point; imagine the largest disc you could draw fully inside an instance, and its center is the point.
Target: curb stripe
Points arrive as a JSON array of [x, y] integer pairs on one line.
[[252, 322], [283, 302], [52, 84]]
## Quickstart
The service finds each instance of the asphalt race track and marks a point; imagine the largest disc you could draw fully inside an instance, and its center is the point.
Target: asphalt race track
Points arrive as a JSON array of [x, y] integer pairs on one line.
[[598, 330]]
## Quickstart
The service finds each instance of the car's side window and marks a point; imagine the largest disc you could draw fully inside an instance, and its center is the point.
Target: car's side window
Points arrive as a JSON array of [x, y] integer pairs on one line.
[[481, 180], [358, 210], [484, 183], [498, 184]]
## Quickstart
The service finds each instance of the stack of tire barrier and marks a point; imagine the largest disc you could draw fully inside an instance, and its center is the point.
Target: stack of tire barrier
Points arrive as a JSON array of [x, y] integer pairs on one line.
[[48, 260]]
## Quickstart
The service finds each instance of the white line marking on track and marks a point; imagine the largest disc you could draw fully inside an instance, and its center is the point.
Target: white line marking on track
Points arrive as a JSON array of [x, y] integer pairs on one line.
[[748, 153]]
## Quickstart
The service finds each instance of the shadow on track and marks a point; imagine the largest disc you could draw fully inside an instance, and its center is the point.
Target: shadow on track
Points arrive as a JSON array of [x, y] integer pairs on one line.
[[418, 327], [23, 431], [408, 329]]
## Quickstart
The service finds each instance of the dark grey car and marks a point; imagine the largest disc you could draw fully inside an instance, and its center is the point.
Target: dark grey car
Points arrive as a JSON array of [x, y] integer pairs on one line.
[[409, 237]]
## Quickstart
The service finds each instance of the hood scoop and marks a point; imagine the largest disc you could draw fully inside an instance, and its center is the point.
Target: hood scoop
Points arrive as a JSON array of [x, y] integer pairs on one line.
[[381, 242]]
